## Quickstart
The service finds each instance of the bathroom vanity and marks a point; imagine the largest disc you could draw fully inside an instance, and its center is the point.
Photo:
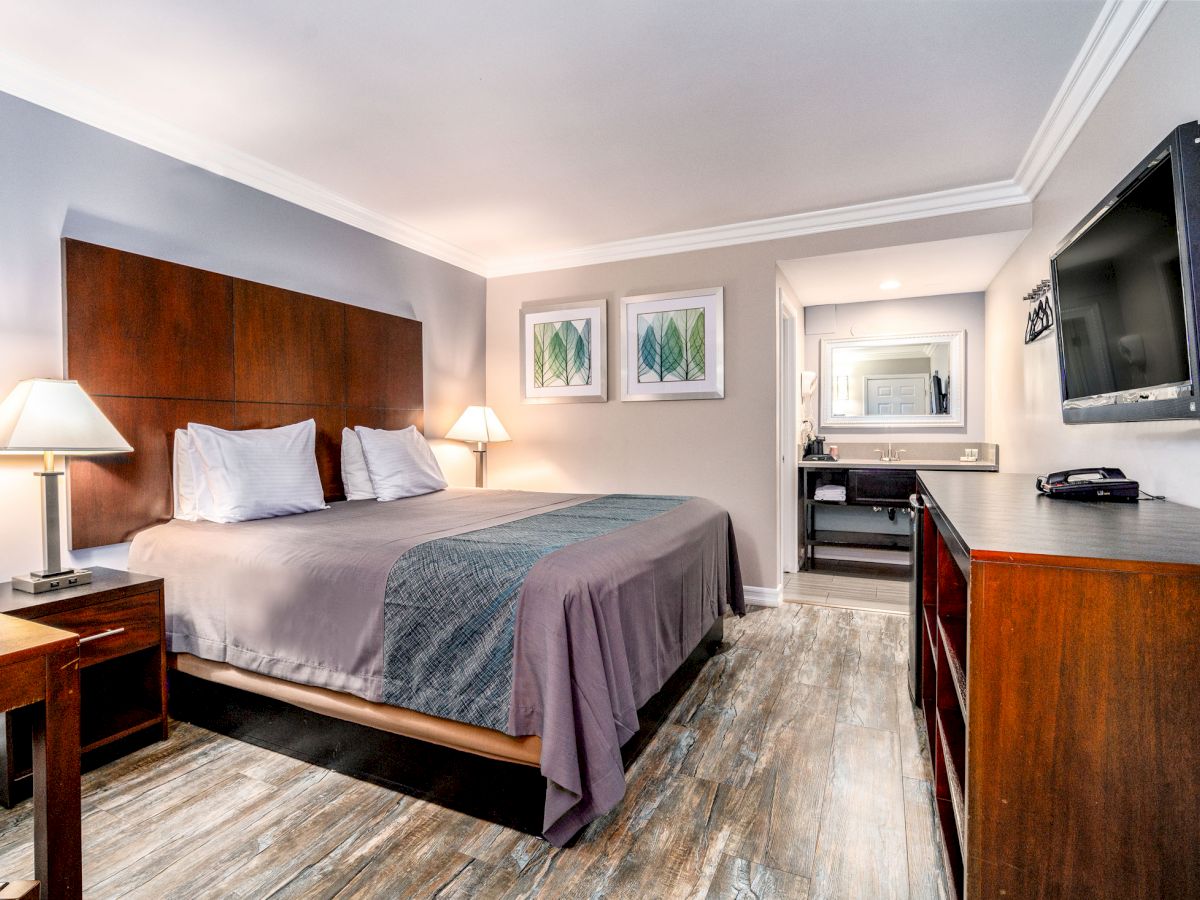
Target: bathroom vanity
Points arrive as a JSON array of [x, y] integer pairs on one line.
[[874, 512]]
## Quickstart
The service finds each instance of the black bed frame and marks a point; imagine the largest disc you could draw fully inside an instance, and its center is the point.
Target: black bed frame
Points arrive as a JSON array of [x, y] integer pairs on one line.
[[507, 793]]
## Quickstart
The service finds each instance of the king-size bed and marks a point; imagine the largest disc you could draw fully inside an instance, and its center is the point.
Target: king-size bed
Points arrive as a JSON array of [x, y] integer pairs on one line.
[[527, 628], [525, 614]]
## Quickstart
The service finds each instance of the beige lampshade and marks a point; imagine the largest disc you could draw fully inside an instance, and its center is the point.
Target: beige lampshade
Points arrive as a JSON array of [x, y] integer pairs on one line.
[[45, 414], [478, 425]]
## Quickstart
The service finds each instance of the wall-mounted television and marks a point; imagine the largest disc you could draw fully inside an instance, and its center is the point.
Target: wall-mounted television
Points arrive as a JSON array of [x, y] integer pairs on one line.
[[1126, 280]]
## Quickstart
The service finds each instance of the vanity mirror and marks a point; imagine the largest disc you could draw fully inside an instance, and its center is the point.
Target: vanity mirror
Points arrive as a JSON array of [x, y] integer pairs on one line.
[[912, 380]]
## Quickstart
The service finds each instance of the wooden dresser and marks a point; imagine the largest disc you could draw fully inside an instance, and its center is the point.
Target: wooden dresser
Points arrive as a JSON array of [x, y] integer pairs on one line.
[[1061, 642]]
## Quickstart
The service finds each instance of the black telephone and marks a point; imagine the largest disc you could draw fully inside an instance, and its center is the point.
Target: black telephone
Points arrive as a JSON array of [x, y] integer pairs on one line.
[[1105, 484]]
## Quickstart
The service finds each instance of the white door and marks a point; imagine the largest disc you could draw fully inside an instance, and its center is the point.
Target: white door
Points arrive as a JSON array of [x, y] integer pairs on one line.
[[897, 395]]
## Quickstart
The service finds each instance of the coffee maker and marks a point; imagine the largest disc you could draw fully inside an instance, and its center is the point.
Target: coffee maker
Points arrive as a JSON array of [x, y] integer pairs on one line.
[[815, 449]]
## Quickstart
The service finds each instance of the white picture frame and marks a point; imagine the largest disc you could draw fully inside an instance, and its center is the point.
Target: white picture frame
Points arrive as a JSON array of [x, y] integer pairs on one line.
[[575, 328], [694, 317], [955, 417]]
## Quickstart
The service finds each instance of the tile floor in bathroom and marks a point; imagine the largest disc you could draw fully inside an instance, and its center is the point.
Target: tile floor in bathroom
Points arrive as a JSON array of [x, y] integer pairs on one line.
[[846, 592]]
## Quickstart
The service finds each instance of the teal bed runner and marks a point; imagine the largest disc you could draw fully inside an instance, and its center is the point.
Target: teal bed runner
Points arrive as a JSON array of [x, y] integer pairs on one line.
[[450, 606]]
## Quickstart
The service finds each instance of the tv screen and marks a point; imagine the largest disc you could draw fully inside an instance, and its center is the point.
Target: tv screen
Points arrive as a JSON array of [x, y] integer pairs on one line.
[[1120, 295]]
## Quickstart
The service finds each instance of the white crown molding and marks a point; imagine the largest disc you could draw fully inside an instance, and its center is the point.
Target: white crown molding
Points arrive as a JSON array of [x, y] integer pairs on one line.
[[761, 596], [1112, 39], [860, 215], [29, 82], [1115, 35], [1110, 42]]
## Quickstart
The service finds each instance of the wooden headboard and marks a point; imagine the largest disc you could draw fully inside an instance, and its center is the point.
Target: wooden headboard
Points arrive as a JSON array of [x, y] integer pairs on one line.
[[158, 345]]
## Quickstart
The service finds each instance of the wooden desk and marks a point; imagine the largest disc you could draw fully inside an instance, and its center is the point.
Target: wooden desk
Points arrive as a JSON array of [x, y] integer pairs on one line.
[[40, 664], [122, 670]]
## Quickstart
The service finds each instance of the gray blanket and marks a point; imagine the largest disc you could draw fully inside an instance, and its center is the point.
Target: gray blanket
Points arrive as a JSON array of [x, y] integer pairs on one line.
[[600, 624]]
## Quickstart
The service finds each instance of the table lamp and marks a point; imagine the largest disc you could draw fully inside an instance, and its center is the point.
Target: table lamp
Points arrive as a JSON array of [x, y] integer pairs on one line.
[[478, 426], [49, 416]]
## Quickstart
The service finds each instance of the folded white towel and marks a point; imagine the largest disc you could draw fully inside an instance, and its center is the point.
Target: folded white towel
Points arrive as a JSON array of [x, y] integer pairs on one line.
[[830, 492]]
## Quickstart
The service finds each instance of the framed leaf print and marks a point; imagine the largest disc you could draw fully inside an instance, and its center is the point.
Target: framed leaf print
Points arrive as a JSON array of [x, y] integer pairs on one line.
[[564, 350], [673, 346]]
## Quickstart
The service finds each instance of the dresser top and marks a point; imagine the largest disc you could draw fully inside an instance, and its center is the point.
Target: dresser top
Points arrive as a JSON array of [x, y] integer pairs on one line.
[[999, 514]]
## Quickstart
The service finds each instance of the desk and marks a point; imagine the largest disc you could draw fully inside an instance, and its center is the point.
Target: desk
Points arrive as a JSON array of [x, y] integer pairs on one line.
[[40, 664], [122, 670]]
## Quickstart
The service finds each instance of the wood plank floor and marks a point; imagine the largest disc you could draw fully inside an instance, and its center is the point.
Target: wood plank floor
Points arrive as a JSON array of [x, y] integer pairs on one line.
[[793, 768]]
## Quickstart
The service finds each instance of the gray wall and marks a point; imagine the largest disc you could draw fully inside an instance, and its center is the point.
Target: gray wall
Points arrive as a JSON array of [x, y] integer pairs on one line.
[[59, 177], [1158, 89], [911, 315]]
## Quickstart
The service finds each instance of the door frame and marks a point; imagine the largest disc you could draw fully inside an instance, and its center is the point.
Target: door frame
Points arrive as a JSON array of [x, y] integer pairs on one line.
[[789, 399]]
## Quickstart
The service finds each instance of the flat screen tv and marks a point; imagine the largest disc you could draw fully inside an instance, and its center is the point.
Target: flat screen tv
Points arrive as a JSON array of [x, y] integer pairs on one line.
[[1126, 281]]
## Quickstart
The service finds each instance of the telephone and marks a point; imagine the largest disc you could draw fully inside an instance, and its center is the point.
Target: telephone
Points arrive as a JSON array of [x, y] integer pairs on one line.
[[1105, 484]]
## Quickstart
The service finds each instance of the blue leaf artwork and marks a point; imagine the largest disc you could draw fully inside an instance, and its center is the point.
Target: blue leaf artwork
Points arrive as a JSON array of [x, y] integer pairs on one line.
[[562, 353], [671, 346]]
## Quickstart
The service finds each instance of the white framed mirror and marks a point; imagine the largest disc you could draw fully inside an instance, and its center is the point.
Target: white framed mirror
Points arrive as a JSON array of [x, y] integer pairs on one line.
[[911, 380]]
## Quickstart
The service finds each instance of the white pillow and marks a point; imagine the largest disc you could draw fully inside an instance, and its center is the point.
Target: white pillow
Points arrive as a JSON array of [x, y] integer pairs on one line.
[[259, 473], [193, 500], [356, 480], [400, 463]]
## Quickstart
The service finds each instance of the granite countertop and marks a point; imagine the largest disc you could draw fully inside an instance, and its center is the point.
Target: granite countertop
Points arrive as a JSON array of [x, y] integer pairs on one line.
[[941, 465], [918, 455]]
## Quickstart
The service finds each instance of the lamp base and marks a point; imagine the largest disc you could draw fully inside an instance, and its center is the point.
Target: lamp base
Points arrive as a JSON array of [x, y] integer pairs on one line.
[[480, 452], [37, 583]]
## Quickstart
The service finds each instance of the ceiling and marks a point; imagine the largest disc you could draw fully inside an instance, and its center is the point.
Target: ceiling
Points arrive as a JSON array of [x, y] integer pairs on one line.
[[537, 126], [956, 266]]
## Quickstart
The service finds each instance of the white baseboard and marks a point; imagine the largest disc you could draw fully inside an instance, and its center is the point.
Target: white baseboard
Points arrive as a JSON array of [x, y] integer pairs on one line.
[[761, 596]]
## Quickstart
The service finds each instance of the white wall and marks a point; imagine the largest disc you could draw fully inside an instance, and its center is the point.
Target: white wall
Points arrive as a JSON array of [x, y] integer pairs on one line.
[[60, 178], [1158, 89], [913, 315]]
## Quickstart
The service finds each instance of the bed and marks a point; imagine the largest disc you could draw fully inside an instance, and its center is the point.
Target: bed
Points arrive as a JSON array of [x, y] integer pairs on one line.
[[423, 604], [524, 629]]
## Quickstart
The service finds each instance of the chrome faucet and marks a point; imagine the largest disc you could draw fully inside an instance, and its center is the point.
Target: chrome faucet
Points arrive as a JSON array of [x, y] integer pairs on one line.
[[889, 455]]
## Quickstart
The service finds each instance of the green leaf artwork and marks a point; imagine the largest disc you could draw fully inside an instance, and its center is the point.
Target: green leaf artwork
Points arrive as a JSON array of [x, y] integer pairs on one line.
[[562, 353], [671, 346]]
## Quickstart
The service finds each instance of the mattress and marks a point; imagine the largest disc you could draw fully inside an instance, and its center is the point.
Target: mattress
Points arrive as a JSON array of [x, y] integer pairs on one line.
[[553, 615]]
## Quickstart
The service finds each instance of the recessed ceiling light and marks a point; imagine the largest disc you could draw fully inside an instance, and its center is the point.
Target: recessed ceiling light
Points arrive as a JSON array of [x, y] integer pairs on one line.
[[890, 285]]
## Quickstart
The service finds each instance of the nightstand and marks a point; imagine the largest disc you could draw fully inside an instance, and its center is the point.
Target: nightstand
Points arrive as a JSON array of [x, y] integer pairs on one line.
[[122, 660]]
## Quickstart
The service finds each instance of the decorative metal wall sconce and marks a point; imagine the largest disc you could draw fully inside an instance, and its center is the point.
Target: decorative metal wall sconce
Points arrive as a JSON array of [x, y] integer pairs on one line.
[[1041, 313]]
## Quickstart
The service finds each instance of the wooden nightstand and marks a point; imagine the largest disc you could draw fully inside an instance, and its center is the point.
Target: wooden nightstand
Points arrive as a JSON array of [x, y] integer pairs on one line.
[[122, 660]]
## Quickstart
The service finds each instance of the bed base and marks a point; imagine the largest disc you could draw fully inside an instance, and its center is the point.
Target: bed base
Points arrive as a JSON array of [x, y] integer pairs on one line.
[[507, 793]]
